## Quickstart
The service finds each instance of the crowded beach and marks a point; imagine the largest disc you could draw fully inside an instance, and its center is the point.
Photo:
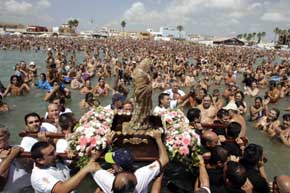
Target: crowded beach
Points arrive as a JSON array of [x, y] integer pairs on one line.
[[207, 86]]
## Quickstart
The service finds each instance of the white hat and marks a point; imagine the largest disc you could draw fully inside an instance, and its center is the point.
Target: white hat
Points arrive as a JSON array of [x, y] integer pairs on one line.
[[31, 63], [49, 127], [231, 106], [27, 143]]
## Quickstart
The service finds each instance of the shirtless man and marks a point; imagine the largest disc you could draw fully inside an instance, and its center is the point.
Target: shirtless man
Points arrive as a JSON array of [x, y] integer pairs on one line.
[[270, 123], [285, 127], [273, 92], [208, 110], [3, 106], [236, 117], [15, 88], [258, 109], [217, 101]]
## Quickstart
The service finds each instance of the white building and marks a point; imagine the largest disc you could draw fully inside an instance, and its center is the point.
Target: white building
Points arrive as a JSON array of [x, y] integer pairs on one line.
[[168, 32], [172, 32]]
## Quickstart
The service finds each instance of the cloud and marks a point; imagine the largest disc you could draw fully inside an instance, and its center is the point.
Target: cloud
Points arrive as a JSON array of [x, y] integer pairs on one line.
[[225, 4], [25, 11], [15, 7], [274, 17], [237, 14], [255, 6], [43, 4]]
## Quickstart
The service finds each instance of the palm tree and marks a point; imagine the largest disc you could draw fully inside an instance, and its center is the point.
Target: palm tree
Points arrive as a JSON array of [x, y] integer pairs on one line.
[[259, 35], [249, 37], [179, 28], [276, 31], [73, 23], [123, 25], [70, 23], [254, 35], [240, 36], [263, 34], [284, 33]]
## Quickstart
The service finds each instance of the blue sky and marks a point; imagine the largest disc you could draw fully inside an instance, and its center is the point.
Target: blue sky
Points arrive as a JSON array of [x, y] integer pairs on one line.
[[211, 17]]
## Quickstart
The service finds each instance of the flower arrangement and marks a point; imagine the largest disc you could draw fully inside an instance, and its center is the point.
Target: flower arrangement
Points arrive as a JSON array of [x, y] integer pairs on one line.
[[90, 135], [181, 141]]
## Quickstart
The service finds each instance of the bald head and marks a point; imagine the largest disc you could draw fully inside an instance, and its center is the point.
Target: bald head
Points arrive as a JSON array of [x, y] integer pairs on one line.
[[125, 182], [209, 139], [283, 183], [53, 111]]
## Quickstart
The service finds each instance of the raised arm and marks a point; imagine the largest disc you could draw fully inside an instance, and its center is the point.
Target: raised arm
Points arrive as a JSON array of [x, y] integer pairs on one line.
[[73, 182], [203, 176], [5, 164], [163, 156]]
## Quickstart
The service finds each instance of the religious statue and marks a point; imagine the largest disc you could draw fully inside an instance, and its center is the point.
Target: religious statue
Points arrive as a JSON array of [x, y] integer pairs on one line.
[[142, 90]]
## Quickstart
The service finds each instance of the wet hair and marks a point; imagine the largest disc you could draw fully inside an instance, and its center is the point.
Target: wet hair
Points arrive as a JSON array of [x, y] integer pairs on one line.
[[286, 116], [161, 97], [236, 174], [259, 98], [4, 131], [272, 83], [277, 112], [204, 90], [89, 96], [65, 120], [234, 129], [253, 153], [222, 112], [128, 186], [33, 114], [37, 148], [240, 103], [17, 77], [218, 154], [216, 90], [57, 97], [2, 88], [208, 95], [193, 114], [241, 93], [44, 75]]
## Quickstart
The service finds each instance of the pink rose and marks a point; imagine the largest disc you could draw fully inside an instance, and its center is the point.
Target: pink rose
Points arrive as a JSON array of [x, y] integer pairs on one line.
[[173, 113], [184, 150], [83, 141], [185, 140], [93, 142], [169, 120]]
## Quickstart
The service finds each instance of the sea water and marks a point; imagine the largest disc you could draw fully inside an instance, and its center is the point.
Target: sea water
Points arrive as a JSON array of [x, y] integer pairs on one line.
[[278, 155]]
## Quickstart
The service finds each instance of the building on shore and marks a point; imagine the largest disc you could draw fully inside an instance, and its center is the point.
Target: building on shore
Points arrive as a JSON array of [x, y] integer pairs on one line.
[[228, 41], [34, 28], [12, 27], [168, 33], [66, 29], [284, 39]]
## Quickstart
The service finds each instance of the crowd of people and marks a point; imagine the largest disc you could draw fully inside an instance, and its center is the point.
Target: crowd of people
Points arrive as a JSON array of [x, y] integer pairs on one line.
[[209, 84]]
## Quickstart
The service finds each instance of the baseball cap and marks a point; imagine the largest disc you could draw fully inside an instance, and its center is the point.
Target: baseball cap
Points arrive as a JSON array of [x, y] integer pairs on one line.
[[31, 63], [118, 97], [231, 106], [121, 157]]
